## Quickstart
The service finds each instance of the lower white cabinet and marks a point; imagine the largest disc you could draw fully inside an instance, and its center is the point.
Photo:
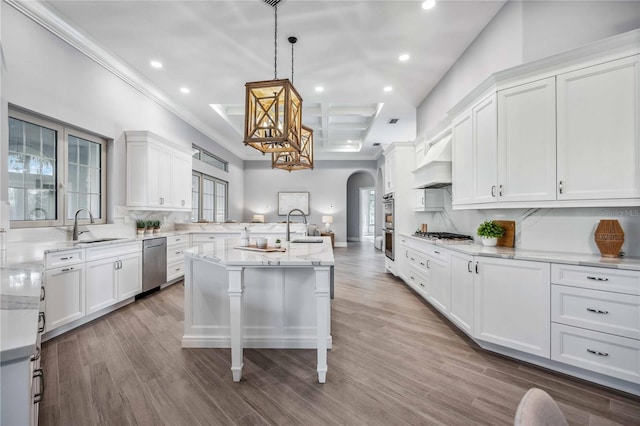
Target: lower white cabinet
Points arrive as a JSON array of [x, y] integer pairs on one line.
[[101, 284], [129, 276], [65, 290], [512, 304], [462, 291], [402, 258], [438, 284]]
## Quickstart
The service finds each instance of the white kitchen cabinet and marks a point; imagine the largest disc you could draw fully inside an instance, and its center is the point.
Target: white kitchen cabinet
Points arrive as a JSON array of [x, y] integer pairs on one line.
[[402, 258], [599, 131], [462, 291], [462, 159], [102, 290], [512, 304], [389, 172], [65, 290], [420, 203], [485, 150], [176, 246], [438, 284], [527, 142], [158, 174], [129, 275]]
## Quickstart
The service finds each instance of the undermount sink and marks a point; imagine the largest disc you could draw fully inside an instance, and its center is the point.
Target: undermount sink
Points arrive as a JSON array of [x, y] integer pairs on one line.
[[307, 240], [96, 240]]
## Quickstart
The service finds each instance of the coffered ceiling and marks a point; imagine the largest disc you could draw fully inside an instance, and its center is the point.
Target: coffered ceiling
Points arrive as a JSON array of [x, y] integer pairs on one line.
[[350, 48]]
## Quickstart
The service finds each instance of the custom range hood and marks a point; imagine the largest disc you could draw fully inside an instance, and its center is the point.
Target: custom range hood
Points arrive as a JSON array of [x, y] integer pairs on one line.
[[434, 170]]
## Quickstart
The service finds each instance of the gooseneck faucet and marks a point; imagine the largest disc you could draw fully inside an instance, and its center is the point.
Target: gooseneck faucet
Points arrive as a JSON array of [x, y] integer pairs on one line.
[[289, 221], [75, 223]]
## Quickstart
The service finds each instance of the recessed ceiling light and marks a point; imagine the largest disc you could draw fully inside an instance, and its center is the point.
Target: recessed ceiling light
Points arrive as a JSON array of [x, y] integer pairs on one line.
[[388, 88], [404, 57], [156, 64], [319, 89], [428, 4], [185, 90]]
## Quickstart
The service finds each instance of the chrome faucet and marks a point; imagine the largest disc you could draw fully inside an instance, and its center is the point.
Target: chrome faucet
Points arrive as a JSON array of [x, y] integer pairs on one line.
[[289, 221], [75, 223]]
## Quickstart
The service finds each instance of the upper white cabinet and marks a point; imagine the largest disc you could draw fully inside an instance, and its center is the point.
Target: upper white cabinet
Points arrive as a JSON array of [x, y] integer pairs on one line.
[[527, 142], [389, 172], [485, 150], [598, 131], [158, 174], [462, 158]]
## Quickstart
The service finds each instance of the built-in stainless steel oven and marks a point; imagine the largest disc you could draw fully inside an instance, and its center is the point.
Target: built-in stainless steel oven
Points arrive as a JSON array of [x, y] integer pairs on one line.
[[388, 224]]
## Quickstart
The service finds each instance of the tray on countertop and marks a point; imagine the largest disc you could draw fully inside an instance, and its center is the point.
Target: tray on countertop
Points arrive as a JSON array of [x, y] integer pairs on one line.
[[264, 250]]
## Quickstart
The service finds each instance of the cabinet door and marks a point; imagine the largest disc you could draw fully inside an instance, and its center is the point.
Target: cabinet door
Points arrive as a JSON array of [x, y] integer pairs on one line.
[[101, 284], [181, 182], [527, 142], [129, 276], [598, 131], [420, 199], [154, 173], [65, 301], [512, 304], [402, 259], [485, 151], [164, 176], [462, 160], [438, 285], [462, 291], [389, 165]]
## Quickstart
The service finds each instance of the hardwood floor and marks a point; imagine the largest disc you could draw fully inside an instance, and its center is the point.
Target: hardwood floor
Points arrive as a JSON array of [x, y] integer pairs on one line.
[[394, 361]]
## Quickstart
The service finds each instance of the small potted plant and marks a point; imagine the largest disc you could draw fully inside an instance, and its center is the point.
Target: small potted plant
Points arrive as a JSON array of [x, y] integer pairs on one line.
[[140, 226], [156, 226], [149, 226], [490, 231], [278, 243]]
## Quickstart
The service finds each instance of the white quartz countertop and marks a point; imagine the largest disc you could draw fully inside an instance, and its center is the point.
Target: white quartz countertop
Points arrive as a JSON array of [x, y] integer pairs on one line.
[[583, 259], [19, 308], [225, 252]]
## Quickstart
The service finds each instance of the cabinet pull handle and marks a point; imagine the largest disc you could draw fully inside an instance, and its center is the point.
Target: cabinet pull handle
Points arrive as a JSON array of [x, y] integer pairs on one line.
[[412, 277], [177, 269], [560, 186], [43, 293], [428, 260], [476, 267], [212, 238], [406, 253], [36, 356], [178, 252], [67, 269], [597, 278], [591, 351], [500, 191], [412, 259], [42, 317], [469, 267], [66, 258], [39, 374], [436, 252], [421, 285], [597, 311], [422, 263], [493, 191]]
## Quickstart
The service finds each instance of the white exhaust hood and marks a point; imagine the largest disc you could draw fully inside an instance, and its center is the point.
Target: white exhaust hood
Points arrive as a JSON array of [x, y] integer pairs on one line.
[[434, 171]]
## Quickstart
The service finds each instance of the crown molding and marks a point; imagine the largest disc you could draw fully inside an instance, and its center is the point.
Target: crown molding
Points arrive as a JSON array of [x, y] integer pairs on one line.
[[48, 19]]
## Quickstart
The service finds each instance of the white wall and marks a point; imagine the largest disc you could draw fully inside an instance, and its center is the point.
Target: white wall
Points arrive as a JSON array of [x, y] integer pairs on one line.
[[326, 184], [354, 183], [519, 33], [46, 75]]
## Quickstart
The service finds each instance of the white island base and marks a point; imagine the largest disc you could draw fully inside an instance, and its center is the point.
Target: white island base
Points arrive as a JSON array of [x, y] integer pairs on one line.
[[237, 299]]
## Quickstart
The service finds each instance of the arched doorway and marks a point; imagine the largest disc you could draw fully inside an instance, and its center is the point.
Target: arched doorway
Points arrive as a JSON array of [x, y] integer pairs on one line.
[[360, 206]]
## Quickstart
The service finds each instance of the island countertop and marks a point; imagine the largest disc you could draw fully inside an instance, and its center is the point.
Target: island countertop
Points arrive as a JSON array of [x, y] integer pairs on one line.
[[225, 252]]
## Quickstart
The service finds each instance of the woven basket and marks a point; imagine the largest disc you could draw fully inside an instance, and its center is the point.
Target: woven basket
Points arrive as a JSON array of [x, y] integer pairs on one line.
[[609, 237]]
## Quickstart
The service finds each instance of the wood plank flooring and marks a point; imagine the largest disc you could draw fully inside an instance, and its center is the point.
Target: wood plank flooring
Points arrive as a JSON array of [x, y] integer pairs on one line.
[[394, 361]]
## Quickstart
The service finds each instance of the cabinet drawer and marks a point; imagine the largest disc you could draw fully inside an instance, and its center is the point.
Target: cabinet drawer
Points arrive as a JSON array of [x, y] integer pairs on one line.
[[64, 258], [205, 238], [175, 270], [418, 261], [176, 252], [438, 253], [603, 311], [418, 281], [603, 353], [111, 250], [620, 281], [178, 239]]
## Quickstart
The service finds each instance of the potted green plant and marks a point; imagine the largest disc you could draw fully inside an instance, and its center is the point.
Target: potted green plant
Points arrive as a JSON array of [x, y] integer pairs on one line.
[[149, 227], [490, 231], [278, 243], [156, 226], [140, 226]]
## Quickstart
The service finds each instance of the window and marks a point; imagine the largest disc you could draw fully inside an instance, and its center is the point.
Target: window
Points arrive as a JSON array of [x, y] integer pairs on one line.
[[212, 160], [208, 198], [53, 171]]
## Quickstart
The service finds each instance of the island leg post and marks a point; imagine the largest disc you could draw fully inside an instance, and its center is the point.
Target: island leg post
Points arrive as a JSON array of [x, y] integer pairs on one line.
[[236, 290], [323, 280]]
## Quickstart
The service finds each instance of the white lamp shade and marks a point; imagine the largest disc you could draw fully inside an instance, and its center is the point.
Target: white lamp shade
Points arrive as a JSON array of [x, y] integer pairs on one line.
[[258, 218], [327, 219]]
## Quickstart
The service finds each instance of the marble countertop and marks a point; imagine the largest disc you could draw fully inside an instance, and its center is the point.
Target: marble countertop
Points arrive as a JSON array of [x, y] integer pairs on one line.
[[583, 259], [19, 309], [297, 254]]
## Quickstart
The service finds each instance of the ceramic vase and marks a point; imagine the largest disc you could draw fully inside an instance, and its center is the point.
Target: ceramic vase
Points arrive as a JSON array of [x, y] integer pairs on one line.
[[489, 241], [609, 237]]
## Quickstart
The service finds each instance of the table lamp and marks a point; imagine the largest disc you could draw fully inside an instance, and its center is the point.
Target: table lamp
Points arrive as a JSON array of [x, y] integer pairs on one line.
[[258, 218], [328, 220]]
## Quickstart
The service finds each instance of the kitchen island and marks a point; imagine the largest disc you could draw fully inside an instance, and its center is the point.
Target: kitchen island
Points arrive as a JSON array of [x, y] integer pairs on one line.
[[236, 298]]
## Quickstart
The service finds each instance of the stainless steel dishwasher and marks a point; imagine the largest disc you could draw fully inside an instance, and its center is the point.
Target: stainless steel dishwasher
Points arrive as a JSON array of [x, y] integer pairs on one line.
[[154, 263]]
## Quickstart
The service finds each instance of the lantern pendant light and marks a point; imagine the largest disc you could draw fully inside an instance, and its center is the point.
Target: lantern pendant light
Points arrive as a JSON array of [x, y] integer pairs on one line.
[[296, 160], [273, 109]]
